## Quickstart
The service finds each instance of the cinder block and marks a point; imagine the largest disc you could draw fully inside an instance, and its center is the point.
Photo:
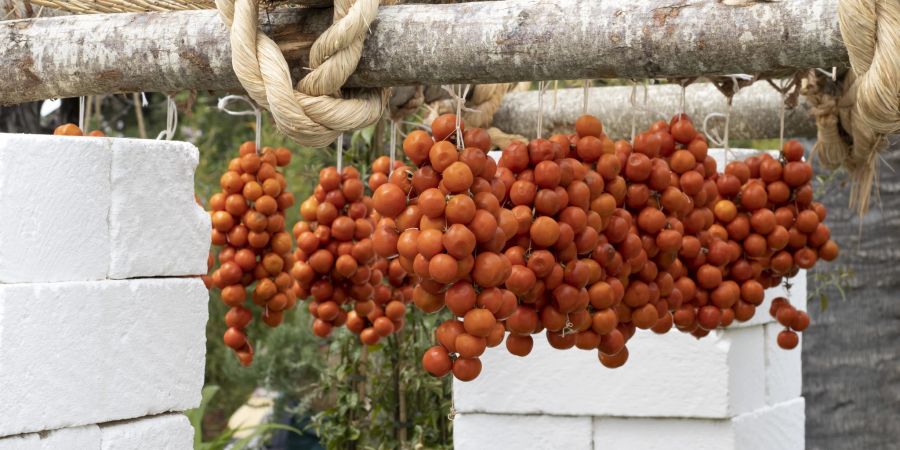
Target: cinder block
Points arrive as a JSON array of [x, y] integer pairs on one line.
[[54, 206], [76, 353], [156, 227], [163, 432], [513, 432], [779, 427], [78, 438], [784, 373], [674, 375]]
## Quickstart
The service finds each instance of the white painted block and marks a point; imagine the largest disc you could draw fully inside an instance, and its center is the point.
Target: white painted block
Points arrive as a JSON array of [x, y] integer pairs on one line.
[[784, 373], [512, 432], [156, 226], [163, 432], [612, 433], [76, 353], [779, 427], [723, 157], [78, 438], [673, 375], [54, 206]]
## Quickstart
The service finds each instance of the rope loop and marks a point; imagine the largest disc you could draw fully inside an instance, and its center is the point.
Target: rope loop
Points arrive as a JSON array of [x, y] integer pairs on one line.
[[317, 112]]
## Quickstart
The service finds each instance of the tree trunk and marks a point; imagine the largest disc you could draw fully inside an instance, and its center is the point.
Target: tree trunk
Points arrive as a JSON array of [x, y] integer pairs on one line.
[[755, 112], [482, 42], [851, 356]]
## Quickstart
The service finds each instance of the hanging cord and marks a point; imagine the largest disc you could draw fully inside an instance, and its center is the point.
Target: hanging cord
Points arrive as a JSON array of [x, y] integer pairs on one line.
[[254, 111], [684, 83], [171, 120], [585, 93], [81, 112], [339, 151], [789, 89], [393, 146], [318, 110], [540, 117], [460, 101], [631, 100], [729, 86]]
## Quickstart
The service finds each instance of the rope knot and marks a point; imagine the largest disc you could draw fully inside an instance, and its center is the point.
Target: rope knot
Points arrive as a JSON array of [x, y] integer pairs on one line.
[[317, 113]]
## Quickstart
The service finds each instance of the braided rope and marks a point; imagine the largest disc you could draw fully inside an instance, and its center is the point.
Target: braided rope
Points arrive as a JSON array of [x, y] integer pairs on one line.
[[316, 113]]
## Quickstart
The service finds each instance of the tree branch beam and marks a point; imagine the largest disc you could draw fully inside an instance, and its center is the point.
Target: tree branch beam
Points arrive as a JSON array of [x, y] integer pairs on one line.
[[755, 111], [481, 42]]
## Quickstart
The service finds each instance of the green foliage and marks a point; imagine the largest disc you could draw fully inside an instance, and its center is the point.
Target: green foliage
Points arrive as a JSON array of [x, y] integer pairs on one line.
[[383, 399]]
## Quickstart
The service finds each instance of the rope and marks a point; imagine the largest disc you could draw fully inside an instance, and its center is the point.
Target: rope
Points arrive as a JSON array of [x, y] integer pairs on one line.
[[853, 115], [318, 112], [871, 32]]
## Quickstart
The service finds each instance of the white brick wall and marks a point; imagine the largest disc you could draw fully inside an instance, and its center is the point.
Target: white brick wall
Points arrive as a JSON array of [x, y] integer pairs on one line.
[[163, 432], [91, 330], [734, 389]]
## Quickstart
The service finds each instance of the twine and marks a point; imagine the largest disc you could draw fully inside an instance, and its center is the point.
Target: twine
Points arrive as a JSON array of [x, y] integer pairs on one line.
[[171, 120], [585, 92], [253, 111], [540, 117], [854, 115], [393, 147], [317, 113]]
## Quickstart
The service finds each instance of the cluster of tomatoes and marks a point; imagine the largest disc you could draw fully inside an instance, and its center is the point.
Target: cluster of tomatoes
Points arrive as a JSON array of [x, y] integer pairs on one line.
[[248, 223], [587, 239], [442, 221], [765, 209], [336, 260]]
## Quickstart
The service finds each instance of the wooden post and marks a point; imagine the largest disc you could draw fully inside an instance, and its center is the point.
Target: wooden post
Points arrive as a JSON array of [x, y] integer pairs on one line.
[[480, 42], [754, 113]]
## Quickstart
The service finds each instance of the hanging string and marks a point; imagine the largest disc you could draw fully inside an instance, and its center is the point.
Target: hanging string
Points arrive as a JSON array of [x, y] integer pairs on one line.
[[81, 112], [585, 92], [393, 147], [171, 120], [460, 100], [254, 111], [339, 148], [633, 109], [540, 118], [555, 92]]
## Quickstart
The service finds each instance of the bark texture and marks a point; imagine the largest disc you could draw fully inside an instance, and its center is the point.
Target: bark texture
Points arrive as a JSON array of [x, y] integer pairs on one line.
[[851, 356], [754, 113], [482, 42]]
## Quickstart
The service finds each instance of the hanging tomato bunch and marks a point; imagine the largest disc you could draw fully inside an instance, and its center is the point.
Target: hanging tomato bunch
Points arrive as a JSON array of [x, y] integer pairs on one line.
[[443, 222], [255, 250], [335, 259]]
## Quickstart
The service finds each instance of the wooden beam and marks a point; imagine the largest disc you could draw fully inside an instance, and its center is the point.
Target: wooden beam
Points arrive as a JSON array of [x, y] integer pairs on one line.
[[755, 112], [480, 42]]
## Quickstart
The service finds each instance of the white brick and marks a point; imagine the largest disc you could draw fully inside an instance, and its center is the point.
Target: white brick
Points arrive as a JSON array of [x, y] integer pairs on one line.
[[512, 432], [662, 434], [784, 374], [54, 203], [77, 353], [164, 432], [779, 427], [673, 375], [78, 438], [156, 227]]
